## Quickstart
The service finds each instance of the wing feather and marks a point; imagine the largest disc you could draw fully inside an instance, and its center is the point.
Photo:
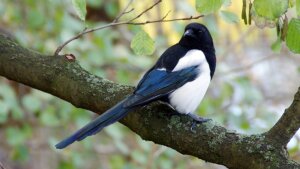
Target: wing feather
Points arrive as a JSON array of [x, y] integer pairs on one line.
[[158, 83]]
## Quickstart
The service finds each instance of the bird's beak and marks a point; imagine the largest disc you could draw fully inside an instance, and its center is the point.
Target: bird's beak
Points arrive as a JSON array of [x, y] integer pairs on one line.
[[188, 32]]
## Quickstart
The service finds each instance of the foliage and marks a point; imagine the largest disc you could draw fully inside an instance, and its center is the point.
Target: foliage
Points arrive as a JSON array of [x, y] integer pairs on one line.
[[208, 6], [270, 9], [293, 31], [80, 7], [142, 44]]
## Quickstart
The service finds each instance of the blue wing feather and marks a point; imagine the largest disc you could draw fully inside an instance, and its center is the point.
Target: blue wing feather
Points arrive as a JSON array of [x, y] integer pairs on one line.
[[158, 83]]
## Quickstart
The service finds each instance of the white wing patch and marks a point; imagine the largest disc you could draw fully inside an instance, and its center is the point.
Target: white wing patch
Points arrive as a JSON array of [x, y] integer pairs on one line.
[[161, 69], [187, 98]]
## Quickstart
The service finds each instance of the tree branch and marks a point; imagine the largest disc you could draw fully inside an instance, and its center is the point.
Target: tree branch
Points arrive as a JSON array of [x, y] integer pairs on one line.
[[131, 21], [156, 122], [288, 124], [145, 11], [124, 11]]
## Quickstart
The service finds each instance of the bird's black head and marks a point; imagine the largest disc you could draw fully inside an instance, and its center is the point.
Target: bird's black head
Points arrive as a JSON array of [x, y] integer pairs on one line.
[[197, 36]]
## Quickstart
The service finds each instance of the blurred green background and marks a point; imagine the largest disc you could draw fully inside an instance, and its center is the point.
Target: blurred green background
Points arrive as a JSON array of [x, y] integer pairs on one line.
[[253, 84]]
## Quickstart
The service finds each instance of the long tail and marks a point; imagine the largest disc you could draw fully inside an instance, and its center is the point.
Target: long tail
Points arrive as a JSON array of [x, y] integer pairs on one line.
[[110, 116]]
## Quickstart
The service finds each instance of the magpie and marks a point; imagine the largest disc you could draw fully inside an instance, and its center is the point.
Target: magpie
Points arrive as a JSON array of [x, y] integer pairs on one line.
[[179, 78]]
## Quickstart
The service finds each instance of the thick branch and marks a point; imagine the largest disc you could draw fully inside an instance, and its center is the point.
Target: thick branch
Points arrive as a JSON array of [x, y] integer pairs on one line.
[[156, 122], [288, 124]]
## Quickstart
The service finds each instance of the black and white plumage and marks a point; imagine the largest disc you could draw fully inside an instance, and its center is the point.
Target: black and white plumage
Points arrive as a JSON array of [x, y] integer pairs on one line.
[[180, 78]]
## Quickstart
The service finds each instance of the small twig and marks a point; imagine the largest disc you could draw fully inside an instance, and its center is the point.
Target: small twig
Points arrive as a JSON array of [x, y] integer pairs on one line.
[[146, 10], [166, 20], [59, 48], [128, 22], [164, 17], [124, 11]]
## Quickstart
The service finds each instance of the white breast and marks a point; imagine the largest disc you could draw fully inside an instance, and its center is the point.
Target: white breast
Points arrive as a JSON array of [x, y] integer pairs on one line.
[[187, 98]]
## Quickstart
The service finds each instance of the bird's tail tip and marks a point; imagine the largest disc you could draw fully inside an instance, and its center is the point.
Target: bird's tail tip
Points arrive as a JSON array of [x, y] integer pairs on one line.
[[110, 116], [63, 144]]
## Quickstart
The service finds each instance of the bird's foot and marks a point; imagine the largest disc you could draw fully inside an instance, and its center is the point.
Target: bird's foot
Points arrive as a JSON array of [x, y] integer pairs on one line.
[[197, 120]]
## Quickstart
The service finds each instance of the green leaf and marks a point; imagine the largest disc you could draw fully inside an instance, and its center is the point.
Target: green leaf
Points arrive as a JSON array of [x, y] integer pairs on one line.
[[229, 17], [80, 8], [293, 35], [208, 6], [298, 7], [142, 44], [270, 9]]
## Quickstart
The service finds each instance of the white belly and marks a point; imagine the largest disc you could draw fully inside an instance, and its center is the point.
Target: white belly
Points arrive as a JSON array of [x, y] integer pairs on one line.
[[187, 98]]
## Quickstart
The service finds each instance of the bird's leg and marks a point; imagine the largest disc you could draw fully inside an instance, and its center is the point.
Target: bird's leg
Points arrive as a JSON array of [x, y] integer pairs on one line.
[[196, 120]]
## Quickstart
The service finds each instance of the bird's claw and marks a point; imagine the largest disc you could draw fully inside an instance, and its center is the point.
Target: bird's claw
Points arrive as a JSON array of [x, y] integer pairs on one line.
[[197, 120]]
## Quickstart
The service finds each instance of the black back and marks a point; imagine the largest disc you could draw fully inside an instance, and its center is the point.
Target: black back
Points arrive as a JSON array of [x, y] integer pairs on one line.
[[171, 56]]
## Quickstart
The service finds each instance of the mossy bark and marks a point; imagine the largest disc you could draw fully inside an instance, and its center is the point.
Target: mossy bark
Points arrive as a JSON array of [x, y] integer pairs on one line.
[[156, 122]]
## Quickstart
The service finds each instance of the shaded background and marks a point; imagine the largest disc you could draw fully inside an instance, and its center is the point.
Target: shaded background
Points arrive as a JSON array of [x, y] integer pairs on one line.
[[252, 85]]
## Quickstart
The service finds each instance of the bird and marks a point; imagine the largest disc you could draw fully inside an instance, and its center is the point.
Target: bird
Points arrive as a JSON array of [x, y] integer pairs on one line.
[[179, 78]]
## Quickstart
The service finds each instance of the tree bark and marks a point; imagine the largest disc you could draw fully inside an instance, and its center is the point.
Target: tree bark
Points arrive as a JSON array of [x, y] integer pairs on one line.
[[156, 122]]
